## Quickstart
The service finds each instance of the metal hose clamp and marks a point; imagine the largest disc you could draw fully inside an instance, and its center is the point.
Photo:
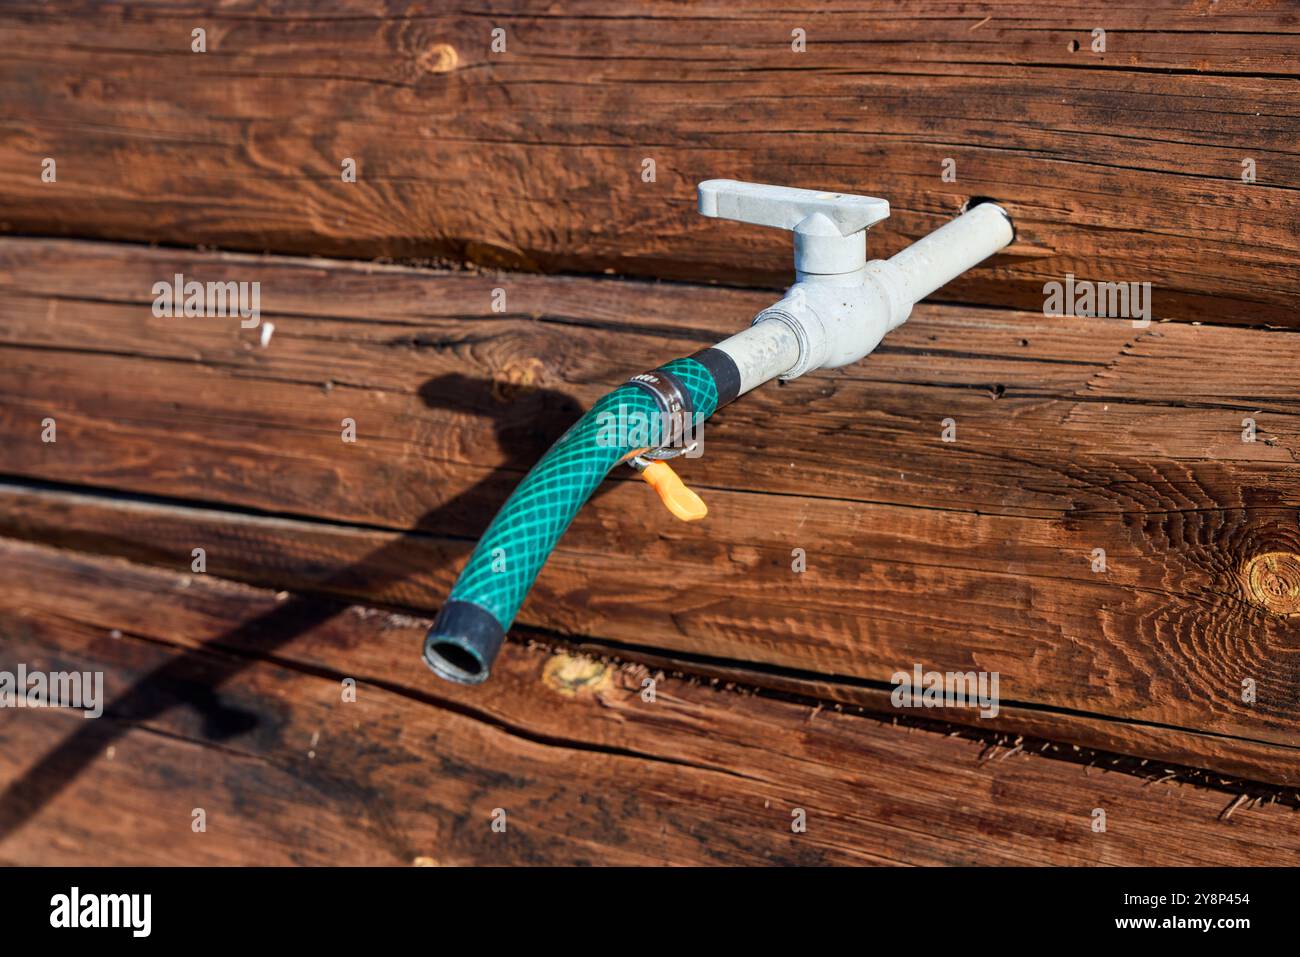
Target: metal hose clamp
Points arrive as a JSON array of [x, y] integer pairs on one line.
[[673, 401]]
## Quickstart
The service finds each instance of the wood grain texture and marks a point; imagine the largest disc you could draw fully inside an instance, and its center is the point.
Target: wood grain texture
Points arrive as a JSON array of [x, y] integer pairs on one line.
[[1123, 165], [1073, 435], [585, 769], [414, 571]]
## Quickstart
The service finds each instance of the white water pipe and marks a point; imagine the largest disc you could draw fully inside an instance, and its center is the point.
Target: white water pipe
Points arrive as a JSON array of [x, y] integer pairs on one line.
[[841, 306]]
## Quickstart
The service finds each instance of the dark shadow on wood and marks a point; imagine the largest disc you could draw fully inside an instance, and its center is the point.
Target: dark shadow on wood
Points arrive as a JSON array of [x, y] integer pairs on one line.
[[527, 422]]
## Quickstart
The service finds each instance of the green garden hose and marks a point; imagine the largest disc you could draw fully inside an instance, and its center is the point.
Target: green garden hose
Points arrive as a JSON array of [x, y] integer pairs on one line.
[[471, 627]]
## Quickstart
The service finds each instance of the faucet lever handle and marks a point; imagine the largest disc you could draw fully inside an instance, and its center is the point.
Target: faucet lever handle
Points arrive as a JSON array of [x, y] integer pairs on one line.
[[829, 228], [785, 207]]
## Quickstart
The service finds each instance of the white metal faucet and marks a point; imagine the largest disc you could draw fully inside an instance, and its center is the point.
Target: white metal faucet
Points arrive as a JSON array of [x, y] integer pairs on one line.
[[840, 305], [837, 311]]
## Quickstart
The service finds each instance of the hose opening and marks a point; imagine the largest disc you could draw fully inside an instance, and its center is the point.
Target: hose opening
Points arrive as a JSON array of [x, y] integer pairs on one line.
[[463, 643], [454, 662]]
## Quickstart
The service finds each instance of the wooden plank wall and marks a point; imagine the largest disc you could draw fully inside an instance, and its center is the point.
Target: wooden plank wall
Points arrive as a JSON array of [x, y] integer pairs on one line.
[[325, 560], [1122, 165]]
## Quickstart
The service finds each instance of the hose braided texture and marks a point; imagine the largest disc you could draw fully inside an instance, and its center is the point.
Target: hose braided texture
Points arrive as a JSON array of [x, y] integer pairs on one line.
[[516, 545]]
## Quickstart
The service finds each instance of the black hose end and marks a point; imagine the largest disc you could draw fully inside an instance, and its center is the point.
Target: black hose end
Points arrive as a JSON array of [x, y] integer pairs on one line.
[[463, 643], [726, 375]]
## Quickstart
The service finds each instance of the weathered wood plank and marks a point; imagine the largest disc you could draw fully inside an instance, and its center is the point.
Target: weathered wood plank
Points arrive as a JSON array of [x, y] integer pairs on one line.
[[393, 330], [969, 555], [414, 571], [1117, 166], [228, 698]]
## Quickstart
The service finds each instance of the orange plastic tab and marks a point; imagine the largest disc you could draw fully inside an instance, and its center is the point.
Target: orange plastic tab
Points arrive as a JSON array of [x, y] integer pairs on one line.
[[680, 500]]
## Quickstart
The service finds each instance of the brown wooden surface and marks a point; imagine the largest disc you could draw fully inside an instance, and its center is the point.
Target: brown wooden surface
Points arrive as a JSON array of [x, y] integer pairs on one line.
[[228, 698], [1120, 690], [414, 571], [1117, 166], [1100, 436]]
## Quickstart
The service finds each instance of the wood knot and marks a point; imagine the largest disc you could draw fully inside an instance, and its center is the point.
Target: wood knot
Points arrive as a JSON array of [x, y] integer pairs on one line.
[[572, 675], [518, 376], [1272, 582], [439, 58]]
